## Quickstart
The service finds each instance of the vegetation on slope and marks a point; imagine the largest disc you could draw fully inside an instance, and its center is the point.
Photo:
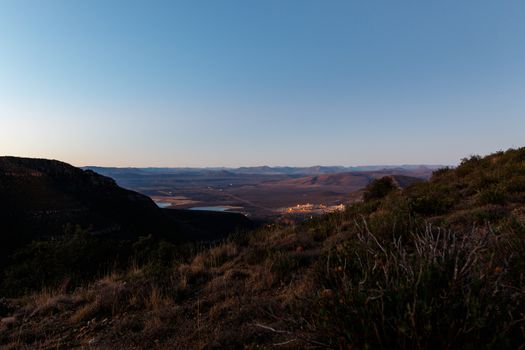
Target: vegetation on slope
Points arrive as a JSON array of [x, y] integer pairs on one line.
[[437, 265]]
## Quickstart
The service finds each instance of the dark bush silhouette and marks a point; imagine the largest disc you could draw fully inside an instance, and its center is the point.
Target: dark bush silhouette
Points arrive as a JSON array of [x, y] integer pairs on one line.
[[379, 188]]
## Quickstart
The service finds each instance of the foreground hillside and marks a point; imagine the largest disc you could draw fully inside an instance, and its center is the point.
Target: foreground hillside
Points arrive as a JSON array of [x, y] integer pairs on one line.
[[439, 264]]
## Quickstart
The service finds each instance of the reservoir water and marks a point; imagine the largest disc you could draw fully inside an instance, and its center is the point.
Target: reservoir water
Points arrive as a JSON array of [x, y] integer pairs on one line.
[[163, 204], [215, 208]]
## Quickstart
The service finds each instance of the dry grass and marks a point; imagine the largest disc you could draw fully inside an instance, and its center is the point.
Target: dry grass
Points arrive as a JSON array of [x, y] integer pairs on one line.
[[375, 276], [220, 298]]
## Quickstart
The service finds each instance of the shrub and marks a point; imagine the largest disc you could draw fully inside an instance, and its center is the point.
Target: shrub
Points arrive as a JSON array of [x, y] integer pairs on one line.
[[516, 184], [469, 165], [79, 258], [439, 290], [492, 195], [430, 198], [442, 172], [379, 188], [490, 213]]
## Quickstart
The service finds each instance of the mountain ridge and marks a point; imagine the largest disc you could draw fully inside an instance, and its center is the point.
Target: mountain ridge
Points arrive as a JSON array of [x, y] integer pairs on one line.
[[40, 196], [265, 169]]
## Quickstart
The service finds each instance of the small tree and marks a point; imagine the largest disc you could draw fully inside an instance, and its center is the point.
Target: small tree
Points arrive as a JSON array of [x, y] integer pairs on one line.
[[379, 188]]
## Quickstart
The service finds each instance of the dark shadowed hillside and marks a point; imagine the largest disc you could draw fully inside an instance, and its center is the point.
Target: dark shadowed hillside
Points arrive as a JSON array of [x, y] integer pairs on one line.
[[39, 197]]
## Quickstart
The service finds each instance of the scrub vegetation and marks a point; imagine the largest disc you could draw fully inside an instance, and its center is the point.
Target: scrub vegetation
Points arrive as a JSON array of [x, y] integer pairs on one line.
[[439, 264]]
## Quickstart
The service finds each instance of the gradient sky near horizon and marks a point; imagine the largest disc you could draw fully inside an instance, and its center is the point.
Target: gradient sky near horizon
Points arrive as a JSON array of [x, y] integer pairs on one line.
[[261, 82]]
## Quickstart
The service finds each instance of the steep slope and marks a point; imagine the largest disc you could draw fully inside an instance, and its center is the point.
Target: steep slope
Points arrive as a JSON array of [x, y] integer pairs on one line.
[[38, 197]]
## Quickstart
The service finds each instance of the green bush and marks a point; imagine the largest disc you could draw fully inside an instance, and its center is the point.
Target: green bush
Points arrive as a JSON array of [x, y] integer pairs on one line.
[[492, 195], [379, 188], [430, 198]]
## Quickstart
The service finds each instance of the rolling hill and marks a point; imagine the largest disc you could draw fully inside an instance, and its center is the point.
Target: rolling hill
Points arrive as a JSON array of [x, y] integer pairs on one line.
[[351, 181]]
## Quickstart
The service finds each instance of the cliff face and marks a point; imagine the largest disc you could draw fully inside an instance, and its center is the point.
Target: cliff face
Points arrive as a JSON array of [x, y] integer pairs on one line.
[[38, 197]]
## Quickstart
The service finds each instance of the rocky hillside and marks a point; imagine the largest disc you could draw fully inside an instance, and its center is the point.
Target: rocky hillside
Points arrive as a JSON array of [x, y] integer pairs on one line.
[[38, 197]]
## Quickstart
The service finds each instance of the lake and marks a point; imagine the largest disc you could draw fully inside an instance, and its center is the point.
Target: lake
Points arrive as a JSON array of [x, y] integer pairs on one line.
[[216, 208], [163, 204]]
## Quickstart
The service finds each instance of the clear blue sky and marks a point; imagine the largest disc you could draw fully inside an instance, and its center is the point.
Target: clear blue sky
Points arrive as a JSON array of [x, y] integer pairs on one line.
[[253, 82]]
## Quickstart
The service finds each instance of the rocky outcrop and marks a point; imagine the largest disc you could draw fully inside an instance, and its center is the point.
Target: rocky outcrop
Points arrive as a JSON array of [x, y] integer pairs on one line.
[[39, 197]]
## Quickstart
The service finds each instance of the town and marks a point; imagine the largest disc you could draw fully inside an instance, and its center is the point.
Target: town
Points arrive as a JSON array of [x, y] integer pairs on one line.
[[309, 208]]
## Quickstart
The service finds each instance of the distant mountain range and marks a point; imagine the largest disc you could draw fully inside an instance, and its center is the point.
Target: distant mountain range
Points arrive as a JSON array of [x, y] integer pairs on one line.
[[266, 170], [260, 192], [317, 170]]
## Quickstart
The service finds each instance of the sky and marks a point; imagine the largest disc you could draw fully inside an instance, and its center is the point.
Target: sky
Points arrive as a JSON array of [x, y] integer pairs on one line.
[[261, 82]]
